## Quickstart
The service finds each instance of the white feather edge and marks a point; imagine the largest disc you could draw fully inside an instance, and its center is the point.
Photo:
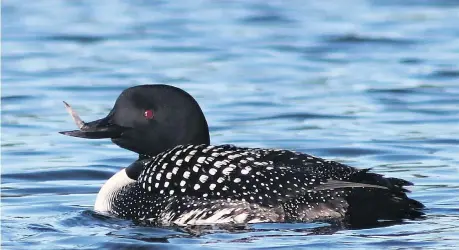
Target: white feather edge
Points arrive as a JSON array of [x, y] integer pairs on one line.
[[336, 184]]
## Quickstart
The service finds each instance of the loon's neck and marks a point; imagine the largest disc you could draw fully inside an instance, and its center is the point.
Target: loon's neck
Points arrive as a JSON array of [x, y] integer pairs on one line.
[[110, 189]]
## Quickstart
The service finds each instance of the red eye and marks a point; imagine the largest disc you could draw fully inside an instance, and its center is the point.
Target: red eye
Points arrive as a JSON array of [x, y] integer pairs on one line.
[[148, 114]]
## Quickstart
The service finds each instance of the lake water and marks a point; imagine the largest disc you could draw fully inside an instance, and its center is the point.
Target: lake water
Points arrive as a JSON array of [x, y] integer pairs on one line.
[[367, 83]]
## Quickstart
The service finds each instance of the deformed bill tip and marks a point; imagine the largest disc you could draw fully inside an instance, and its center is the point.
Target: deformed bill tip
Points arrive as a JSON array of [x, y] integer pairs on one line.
[[76, 118]]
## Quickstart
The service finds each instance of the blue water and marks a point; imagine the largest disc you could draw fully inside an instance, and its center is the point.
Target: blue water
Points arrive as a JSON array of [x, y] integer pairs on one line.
[[368, 83]]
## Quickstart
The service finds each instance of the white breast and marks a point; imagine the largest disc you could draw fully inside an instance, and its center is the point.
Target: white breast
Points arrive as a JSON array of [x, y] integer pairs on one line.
[[109, 189]]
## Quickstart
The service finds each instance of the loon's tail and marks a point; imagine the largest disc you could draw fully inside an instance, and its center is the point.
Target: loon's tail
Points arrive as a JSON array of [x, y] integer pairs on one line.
[[369, 206]]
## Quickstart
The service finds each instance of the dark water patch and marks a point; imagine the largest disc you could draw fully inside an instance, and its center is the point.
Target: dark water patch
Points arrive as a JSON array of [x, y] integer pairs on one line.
[[292, 48], [183, 49], [114, 162], [446, 141], [217, 129], [423, 121], [46, 73], [393, 91], [301, 116], [92, 173], [411, 61], [48, 190], [446, 99], [361, 39], [444, 74], [42, 228], [18, 98], [352, 152], [422, 89], [411, 158], [432, 111], [74, 38], [260, 103], [304, 127], [173, 80], [413, 145], [266, 19], [12, 144], [29, 152], [264, 13]]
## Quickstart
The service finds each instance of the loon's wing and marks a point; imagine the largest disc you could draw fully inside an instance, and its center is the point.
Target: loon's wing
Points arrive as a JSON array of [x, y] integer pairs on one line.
[[331, 170], [361, 197]]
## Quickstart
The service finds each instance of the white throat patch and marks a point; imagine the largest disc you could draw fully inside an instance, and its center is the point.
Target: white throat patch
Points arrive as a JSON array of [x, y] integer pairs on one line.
[[109, 189]]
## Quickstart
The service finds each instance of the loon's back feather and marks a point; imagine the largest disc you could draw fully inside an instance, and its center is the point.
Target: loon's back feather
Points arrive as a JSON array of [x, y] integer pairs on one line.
[[199, 184], [255, 175]]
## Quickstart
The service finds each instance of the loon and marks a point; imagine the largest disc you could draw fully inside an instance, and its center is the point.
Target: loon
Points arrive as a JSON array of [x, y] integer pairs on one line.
[[180, 179]]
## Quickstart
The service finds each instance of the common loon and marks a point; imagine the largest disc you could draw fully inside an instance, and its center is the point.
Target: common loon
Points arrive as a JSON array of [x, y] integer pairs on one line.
[[180, 179]]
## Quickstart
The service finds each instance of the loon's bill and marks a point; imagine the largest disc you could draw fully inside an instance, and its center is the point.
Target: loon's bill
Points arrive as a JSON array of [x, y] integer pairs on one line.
[[181, 179], [99, 129]]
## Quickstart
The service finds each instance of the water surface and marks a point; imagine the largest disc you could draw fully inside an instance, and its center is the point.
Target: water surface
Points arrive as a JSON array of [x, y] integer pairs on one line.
[[368, 83]]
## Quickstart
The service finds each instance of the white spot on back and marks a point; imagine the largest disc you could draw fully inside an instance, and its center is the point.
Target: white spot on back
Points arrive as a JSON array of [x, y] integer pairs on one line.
[[203, 178], [228, 170], [246, 170], [219, 164], [201, 159], [174, 170], [212, 171]]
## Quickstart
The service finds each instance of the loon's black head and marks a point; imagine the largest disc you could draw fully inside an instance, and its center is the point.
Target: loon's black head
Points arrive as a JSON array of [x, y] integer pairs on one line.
[[148, 119]]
